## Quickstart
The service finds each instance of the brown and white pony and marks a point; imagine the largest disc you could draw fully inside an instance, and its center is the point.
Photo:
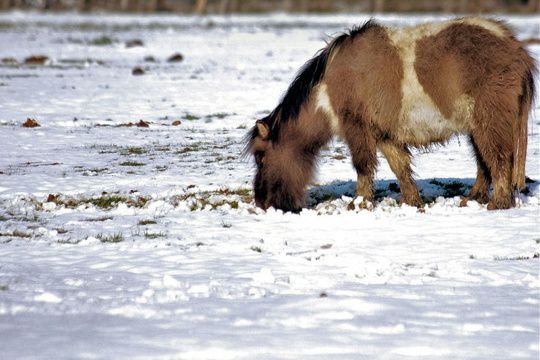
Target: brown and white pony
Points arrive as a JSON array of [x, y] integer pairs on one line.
[[392, 89]]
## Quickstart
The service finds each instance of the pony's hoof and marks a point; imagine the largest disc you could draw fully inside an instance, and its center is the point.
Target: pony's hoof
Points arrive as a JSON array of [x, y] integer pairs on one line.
[[500, 205], [479, 197], [416, 202], [360, 203]]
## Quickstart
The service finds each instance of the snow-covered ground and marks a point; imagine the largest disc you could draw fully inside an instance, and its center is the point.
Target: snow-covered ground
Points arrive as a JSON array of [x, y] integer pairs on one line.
[[142, 242]]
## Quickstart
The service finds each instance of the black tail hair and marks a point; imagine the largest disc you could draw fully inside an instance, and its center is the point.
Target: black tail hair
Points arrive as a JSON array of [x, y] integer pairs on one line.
[[307, 78]]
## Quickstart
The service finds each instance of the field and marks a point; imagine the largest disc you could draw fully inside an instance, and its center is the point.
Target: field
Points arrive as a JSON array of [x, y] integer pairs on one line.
[[128, 230]]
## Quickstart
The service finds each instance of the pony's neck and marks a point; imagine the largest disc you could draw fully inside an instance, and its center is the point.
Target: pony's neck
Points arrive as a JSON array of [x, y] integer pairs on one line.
[[303, 139]]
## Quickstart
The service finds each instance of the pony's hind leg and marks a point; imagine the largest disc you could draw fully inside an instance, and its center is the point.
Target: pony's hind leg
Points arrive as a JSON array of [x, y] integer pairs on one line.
[[495, 151], [399, 159], [480, 190]]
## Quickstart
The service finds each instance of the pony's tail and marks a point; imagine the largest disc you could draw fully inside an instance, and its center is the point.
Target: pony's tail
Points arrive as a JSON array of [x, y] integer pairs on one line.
[[520, 129]]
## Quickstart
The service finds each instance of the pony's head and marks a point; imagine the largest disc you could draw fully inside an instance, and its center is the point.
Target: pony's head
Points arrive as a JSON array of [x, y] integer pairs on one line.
[[278, 181]]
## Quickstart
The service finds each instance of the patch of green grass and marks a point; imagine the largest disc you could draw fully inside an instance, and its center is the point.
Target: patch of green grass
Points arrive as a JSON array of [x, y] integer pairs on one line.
[[240, 191], [6, 25], [233, 204], [161, 168], [99, 219], [102, 41], [81, 62], [105, 149], [16, 233], [204, 202], [17, 76], [516, 258], [220, 115], [219, 158], [191, 117], [154, 235], [163, 148], [131, 163], [106, 201], [194, 206], [134, 150], [113, 238], [190, 148], [147, 222], [94, 171]]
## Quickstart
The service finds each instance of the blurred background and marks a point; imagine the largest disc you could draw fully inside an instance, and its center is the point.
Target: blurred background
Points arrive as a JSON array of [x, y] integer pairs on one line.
[[247, 6]]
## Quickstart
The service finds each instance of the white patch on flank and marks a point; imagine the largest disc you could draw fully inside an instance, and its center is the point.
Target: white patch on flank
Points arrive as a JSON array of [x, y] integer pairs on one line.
[[323, 103], [420, 119]]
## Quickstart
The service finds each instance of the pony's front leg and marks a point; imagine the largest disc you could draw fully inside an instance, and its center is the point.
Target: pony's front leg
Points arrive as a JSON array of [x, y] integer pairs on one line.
[[364, 185], [363, 149], [399, 159]]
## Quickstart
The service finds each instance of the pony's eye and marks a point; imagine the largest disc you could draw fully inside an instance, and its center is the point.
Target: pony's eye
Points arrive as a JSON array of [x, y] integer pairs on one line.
[[259, 155]]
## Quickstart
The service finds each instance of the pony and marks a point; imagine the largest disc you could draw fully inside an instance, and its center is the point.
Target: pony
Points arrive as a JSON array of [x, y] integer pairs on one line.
[[393, 89]]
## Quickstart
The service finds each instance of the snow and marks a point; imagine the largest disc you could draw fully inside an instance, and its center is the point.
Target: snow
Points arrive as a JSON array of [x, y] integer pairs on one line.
[[128, 242]]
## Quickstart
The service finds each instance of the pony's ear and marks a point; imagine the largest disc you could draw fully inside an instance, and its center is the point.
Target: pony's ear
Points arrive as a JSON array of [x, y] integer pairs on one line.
[[263, 129]]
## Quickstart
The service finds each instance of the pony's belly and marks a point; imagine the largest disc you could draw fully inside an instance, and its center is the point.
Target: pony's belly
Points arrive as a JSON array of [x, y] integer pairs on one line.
[[423, 125]]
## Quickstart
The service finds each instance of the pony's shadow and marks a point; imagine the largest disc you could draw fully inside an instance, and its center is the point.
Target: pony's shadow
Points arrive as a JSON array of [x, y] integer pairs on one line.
[[430, 189]]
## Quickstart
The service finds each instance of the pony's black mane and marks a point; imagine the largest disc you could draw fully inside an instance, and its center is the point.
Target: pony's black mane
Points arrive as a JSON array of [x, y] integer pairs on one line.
[[307, 78]]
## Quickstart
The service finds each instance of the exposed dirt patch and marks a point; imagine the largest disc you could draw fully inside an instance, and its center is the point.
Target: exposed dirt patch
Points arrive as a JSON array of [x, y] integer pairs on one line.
[[177, 57], [137, 71], [134, 43], [30, 123], [36, 60], [140, 123]]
